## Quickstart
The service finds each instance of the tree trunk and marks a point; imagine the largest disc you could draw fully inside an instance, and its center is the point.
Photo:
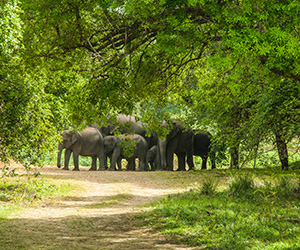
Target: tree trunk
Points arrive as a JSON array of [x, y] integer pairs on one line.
[[282, 150], [234, 154]]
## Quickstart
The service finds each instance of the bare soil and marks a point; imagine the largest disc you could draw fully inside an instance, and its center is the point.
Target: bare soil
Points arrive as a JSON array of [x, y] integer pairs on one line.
[[99, 214]]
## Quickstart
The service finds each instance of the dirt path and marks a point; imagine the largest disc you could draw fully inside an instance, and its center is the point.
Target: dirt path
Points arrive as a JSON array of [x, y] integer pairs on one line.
[[99, 214]]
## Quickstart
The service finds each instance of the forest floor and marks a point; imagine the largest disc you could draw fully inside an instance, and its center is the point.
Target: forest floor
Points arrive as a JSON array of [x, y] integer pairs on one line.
[[99, 213]]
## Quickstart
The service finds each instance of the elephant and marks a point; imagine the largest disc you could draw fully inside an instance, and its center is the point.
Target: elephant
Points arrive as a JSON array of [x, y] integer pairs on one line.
[[139, 150], [152, 157], [88, 142], [127, 124], [110, 143], [202, 148], [179, 141], [122, 124]]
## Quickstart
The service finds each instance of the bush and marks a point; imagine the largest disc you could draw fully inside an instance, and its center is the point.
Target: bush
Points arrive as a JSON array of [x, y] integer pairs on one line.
[[287, 186], [208, 187], [241, 186]]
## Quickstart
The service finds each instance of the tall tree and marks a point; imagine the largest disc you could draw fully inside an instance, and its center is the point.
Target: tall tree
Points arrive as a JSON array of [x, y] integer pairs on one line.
[[28, 112]]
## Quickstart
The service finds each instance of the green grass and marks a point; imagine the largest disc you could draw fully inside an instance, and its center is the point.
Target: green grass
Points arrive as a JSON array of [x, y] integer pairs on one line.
[[18, 191], [254, 211], [115, 199]]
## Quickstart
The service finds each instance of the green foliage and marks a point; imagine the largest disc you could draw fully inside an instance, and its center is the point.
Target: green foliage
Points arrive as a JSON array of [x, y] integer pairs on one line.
[[128, 145], [230, 67], [11, 32], [253, 212], [31, 114]]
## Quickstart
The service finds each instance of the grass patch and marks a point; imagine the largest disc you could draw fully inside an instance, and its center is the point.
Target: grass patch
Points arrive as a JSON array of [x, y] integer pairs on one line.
[[115, 199], [16, 192], [257, 210]]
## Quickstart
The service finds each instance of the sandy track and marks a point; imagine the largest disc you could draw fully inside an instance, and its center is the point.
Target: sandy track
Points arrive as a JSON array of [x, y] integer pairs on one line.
[[99, 214]]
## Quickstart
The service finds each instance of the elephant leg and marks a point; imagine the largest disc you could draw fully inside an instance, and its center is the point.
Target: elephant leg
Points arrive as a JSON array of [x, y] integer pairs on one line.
[[190, 161], [105, 162], [142, 165], [181, 162], [170, 159], [76, 162], [162, 154], [109, 156], [101, 155], [94, 163], [67, 159], [119, 163], [130, 164], [204, 161], [152, 166], [114, 159], [60, 149]]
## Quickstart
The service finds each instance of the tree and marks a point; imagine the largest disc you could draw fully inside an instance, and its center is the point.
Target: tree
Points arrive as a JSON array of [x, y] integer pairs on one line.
[[28, 128], [120, 53], [139, 49]]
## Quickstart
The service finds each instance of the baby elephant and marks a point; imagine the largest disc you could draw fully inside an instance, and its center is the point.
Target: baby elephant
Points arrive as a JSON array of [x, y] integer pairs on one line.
[[130, 147], [151, 157], [110, 143]]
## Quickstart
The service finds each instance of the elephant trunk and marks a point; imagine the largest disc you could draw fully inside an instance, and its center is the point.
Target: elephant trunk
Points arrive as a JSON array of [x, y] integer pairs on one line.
[[162, 148], [60, 149]]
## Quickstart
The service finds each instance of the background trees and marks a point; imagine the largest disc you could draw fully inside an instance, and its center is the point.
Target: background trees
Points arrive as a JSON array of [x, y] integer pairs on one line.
[[93, 58]]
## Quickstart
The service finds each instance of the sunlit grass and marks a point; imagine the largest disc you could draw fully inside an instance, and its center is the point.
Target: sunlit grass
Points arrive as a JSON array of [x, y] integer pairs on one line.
[[252, 212], [22, 190], [116, 199]]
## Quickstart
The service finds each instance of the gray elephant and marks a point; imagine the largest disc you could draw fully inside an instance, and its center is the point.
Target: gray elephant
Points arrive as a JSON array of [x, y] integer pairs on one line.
[[179, 141], [152, 157], [126, 124], [134, 143], [122, 124], [202, 148], [110, 143], [88, 142]]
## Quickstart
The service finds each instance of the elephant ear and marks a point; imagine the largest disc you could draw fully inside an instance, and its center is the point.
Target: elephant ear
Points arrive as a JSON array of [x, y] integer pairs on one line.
[[74, 137]]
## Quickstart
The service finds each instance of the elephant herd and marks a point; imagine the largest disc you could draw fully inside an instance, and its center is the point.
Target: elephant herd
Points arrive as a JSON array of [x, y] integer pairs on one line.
[[126, 138]]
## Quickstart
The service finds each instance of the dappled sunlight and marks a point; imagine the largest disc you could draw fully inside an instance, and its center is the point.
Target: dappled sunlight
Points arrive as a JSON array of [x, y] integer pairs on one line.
[[98, 212]]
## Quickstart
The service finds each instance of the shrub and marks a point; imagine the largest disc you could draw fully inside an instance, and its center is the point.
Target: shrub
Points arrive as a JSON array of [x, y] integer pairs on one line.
[[208, 187], [241, 186], [287, 186]]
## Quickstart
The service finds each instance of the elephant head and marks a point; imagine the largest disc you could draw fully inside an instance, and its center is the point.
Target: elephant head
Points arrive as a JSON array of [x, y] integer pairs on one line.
[[110, 143], [69, 137], [173, 129]]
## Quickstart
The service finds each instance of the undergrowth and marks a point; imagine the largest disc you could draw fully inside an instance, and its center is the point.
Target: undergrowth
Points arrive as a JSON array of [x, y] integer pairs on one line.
[[251, 212]]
